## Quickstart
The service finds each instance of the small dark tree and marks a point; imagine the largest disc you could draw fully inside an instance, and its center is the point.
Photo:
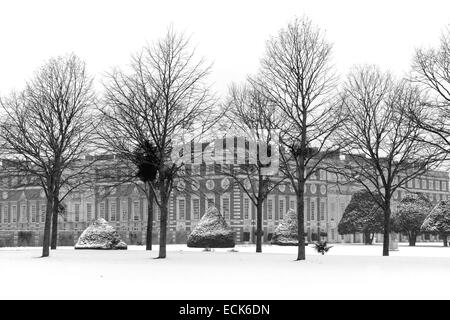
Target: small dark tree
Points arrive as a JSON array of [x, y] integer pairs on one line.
[[410, 214], [362, 215], [438, 221], [322, 247]]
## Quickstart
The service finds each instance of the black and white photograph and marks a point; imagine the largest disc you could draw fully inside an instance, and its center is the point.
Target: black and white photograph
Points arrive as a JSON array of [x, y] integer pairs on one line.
[[224, 155]]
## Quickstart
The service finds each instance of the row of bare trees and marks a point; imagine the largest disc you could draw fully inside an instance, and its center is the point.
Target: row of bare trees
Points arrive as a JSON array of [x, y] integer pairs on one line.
[[390, 130]]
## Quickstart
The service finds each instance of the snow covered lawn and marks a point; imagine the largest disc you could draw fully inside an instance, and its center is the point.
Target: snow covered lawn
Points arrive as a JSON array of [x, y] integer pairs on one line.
[[347, 271]]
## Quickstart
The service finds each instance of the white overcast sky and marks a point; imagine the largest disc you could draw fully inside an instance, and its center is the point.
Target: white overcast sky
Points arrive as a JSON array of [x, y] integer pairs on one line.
[[230, 33]]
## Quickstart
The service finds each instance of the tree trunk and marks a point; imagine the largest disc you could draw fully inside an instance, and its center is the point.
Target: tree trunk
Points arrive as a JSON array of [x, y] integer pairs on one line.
[[444, 240], [387, 227], [163, 222], [259, 232], [148, 243], [367, 238], [301, 224], [412, 236], [300, 211], [55, 215], [47, 226]]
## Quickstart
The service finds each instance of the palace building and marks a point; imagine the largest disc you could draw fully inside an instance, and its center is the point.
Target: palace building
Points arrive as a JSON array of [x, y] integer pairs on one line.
[[22, 210]]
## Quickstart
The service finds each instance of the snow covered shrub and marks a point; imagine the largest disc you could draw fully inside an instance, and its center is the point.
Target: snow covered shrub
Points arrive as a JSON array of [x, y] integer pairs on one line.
[[100, 235], [286, 233], [212, 231], [410, 214], [362, 215], [438, 221], [322, 247]]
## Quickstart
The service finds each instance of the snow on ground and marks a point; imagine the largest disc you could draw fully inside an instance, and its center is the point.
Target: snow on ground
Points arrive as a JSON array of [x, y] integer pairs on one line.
[[348, 271]]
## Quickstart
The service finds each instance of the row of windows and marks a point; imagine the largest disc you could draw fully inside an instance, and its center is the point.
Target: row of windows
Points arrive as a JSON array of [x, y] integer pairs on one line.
[[247, 205], [437, 185], [210, 169], [13, 215], [19, 213]]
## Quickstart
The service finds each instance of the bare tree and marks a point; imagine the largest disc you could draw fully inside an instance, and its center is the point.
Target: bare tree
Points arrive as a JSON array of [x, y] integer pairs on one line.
[[431, 70], [297, 75], [47, 129], [161, 100], [252, 116], [384, 149]]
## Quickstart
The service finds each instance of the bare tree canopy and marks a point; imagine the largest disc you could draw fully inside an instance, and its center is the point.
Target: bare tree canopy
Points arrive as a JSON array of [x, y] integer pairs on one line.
[[252, 116], [384, 148], [297, 75], [48, 128], [164, 100], [431, 70]]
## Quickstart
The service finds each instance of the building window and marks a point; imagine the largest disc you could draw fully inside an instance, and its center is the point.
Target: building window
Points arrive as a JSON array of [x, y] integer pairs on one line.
[[322, 211], [136, 210], [65, 213], [5, 213], [410, 184], [281, 209], [113, 211], [436, 187], [246, 208], [323, 174], [416, 183], [77, 212], [305, 209], [246, 236], [196, 208], [269, 209], [88, 212], [431, 184], [102, 210], [14, 213], [181, 209], [424, 186], [43, 212], [444, 186], [23, 213], [313, 209], [292, 204], [332, 210], [124, 209], [33, 213], [226, 208]]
